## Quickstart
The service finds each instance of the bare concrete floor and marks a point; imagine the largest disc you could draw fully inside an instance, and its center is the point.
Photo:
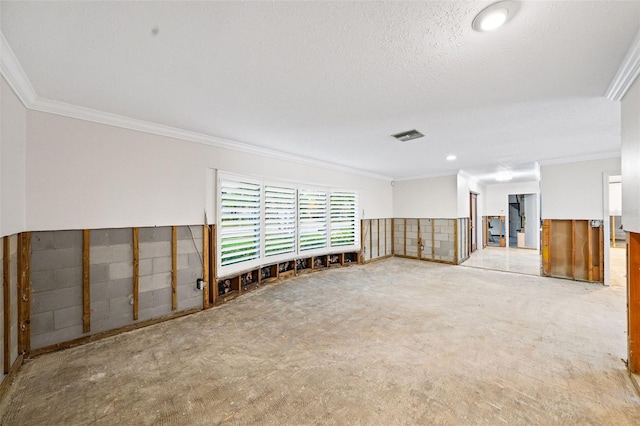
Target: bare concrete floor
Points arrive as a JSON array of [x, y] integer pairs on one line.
[[520, 260], [394, 342]]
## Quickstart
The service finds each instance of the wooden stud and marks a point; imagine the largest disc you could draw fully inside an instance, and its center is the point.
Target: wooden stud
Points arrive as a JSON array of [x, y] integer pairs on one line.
[[419, 241], [456, 242], [433, 239], [393, 232], [24, 293], [573, 249], [601, 253], [589, 253], [205, 265], [633, 301], [362, 242], [385, 237], [378, 221], [174, 268], [546, 248], [613, 231], [405, 238], [136, 272], [86, 281], [371, 221], [6, 294], [213, 274]]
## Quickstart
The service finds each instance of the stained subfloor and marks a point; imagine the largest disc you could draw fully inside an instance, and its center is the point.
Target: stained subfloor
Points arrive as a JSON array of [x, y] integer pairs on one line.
[[520, 260], [394, 342]]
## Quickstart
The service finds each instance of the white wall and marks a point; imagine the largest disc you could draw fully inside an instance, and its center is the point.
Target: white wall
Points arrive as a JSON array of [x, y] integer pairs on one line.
[[82, 174], [13, 117], [532, 221], [430, 198], [465, 187], [630, 151], [575, 190], [615, 198]]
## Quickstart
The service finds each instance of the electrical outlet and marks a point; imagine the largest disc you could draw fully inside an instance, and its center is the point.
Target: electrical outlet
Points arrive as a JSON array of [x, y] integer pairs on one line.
[[200, 283]]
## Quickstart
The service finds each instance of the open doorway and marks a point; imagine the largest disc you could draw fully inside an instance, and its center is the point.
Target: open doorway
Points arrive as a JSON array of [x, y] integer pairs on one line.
[[495, 231], [617, 240], [523, 221], [473, 219]]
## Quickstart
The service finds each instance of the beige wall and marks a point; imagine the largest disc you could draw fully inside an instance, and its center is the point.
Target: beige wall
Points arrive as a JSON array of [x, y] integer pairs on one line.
[[82, 174], [426, 198], [12, 161]]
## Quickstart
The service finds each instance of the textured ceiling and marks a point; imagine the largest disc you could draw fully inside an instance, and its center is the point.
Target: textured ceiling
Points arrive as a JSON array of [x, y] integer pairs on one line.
[[332, 80]]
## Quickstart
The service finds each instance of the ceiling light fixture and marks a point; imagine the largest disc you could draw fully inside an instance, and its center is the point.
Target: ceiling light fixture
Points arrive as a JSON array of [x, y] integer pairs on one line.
[[494, 16], [504, 176], [451, 157]]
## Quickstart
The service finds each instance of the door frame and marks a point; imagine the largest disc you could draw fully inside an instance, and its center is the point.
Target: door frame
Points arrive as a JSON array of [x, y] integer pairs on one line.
[[473, 220]]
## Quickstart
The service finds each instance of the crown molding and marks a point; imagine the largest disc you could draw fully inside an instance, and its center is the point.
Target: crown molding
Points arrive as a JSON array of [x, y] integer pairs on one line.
[[426, 176], [12, 71], [14, 74], [627, 72], [576, 159], [88, 114]]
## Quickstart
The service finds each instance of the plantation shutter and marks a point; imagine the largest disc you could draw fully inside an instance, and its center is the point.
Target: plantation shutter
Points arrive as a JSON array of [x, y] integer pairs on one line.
[[344, 207], [279, 220], [239, 222], [312, 207]]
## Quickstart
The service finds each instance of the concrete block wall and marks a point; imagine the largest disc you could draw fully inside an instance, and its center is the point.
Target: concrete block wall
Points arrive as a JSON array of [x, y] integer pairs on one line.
[[426, 235], [111, 278], [190, 258], [412, 237], [444, 239], [56, 287], [398, 237], [437, 236], [57, 279], [463, 239]]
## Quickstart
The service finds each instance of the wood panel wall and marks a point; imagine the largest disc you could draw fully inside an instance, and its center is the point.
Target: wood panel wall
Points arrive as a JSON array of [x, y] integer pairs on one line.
[[573, 249]]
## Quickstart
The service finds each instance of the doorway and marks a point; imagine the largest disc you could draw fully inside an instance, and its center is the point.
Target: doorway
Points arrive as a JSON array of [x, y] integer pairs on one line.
[[522, 221]]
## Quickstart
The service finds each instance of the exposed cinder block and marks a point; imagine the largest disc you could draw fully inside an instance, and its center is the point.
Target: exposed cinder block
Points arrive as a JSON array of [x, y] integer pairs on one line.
[[99, 310], [195, 261], [41, 323], [56, 299], [120, 288], [99, 273], [42, 281], [189, 232], [119, 236], [68, 277], [56, 336], [162, 296], [120, 306], [188, 276], [120, 270], [441, 237], [188, 246], [98, 292], [99, 237], [42, 241], [189, 296], [145, 267], [67, 317], [155, 282], [111, 254], [145, 300], [56, 258], [154, 312], [161, 264], [412, 234], [67, 239], [155, 249], [146, 235]]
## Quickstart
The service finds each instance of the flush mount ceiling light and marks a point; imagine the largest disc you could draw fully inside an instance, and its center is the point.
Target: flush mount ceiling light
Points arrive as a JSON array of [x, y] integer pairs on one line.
[[494, 16], [504, 176], [451, 157], [408, 135]]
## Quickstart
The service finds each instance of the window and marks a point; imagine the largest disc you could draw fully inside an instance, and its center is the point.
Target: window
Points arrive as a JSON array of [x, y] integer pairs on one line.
[[313, 219], [262, 223], [344, 207], [239, 222], [279, 220]]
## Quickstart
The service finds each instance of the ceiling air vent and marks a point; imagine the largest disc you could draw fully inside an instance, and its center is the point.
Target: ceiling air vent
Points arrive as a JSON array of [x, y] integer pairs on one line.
[[408, 135]]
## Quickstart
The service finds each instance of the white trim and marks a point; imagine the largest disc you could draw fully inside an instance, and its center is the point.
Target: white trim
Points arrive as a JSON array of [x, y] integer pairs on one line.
[[576, 159], [427, 176], [12, 71], [627, 72]]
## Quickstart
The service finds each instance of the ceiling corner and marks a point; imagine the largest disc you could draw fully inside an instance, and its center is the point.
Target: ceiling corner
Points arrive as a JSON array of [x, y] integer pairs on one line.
[[12, 71], [627, 72]]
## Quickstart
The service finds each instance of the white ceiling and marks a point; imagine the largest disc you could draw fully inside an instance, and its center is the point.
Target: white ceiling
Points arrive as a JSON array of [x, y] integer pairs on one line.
[[333, 80]]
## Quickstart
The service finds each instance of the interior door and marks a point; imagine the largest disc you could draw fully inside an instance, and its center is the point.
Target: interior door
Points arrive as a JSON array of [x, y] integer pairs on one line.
[[473, 218]]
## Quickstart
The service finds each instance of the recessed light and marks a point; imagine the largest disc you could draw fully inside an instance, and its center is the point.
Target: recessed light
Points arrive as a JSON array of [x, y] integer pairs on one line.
[[494, 16], [451, 157]]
